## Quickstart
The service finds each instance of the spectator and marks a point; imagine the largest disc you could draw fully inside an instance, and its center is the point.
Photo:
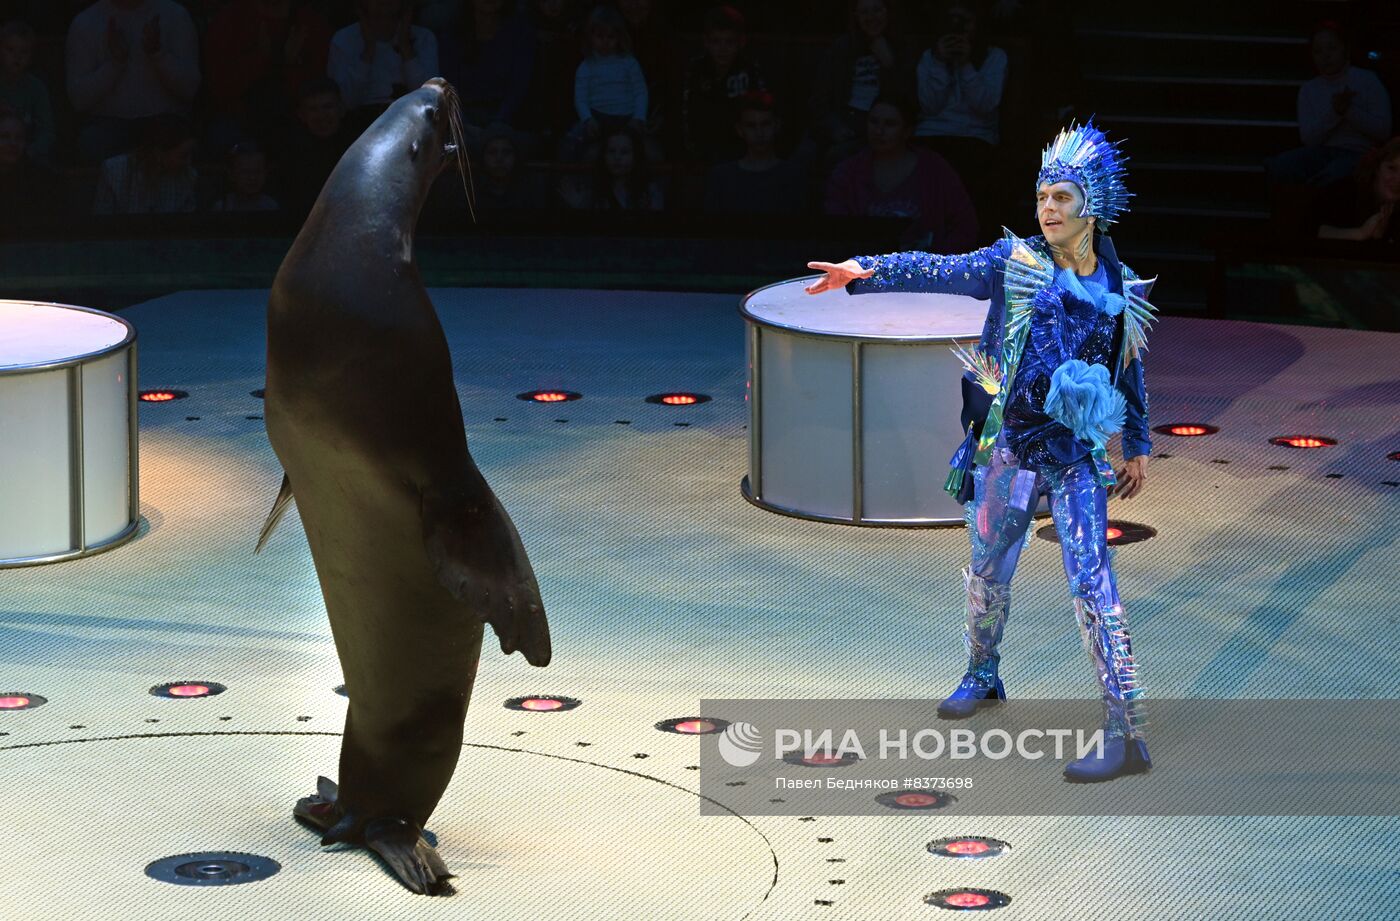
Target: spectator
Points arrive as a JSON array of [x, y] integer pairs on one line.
[[128, 60], [759, 182], [1342, 112], [1363, 206], [259, 53], [315, 146], [960, 79], [890, 178], [620, 180], [27, 189], [506, 185], [155, 178], [247, 181], [713, 82], [490, 59], [609, 89], [380, 57], [870, 58], [21, 91], [549, 111]]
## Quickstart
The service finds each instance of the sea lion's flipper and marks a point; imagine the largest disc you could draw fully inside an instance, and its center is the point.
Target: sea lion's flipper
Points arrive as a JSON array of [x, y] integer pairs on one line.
[[319, 810], [279, 508], [477, 555], [412, 859]]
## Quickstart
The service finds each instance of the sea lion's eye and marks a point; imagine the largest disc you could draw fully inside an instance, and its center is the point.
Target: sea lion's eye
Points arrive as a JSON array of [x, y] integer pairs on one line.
[[432, 113]]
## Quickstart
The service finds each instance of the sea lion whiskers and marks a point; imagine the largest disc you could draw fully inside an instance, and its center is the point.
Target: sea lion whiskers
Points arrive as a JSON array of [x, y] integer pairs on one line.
[[458, 145]]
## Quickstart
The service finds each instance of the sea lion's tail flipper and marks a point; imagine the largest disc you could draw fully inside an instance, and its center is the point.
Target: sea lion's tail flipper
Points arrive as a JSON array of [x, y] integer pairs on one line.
[[477, 555], [279, 508]]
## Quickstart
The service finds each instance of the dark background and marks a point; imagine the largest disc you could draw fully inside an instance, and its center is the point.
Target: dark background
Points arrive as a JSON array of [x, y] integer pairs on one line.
[[1201, 93]]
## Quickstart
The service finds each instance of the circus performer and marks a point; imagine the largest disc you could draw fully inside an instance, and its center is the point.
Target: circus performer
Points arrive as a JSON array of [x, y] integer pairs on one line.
[[1057, 371]]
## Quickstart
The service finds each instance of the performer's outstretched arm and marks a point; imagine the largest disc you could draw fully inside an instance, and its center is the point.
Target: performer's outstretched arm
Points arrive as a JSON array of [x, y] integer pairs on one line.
[[971, 273]]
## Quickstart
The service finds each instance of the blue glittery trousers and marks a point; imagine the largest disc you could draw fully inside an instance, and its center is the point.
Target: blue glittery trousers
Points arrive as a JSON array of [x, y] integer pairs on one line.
[[998, 525]]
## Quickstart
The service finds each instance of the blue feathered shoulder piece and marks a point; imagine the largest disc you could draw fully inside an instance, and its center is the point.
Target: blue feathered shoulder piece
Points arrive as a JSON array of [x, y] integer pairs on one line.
[[1082, 399]]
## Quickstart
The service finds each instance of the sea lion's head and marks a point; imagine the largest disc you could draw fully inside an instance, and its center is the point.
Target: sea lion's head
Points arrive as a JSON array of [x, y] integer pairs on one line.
[[411, 143], [438, 140]]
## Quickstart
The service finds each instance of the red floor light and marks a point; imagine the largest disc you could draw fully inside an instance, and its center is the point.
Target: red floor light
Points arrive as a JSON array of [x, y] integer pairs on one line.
[[1186, 429], [1116, 532], [916, 800], [968, 847], [549, 396], [1393, 455], [968, 899], [692, 726], [821, 759], [695, 726], [188, 690], [1303, 441], [679, 398], [15, 702], [162, 396], [542, 703]]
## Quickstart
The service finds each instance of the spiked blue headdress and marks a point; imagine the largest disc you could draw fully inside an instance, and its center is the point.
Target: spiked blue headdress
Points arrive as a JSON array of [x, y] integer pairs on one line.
[[1084, 156]]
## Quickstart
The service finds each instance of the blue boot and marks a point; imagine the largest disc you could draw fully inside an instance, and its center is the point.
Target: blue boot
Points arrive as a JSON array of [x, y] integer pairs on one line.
[[987, 606], [1104, 629], [971, 694], [1121, 755]]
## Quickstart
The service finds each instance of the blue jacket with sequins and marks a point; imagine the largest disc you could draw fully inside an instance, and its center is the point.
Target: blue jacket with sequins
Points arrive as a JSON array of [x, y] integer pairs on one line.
[[1036, 438]]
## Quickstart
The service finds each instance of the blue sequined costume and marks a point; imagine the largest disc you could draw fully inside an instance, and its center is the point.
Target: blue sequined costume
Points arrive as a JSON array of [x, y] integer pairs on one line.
[[1066, 320]]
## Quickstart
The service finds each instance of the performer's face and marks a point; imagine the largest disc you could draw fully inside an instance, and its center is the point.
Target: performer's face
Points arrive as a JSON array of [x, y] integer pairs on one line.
[[1057, 207]]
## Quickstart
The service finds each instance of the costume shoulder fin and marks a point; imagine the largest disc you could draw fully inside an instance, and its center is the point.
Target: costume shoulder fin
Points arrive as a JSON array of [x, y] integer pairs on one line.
[[1138, 315], [1028, 272]]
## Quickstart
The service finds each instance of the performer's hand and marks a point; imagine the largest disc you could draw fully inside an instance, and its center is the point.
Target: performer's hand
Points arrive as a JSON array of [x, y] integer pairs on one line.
[[837, 275], [1132, 477]]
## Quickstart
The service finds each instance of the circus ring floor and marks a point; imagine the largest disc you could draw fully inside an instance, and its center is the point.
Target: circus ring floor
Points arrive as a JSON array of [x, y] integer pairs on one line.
[[1272, 575]]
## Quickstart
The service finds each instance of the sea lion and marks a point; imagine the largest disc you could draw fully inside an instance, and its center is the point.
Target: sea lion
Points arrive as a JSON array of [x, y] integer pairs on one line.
[[412, 550]]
